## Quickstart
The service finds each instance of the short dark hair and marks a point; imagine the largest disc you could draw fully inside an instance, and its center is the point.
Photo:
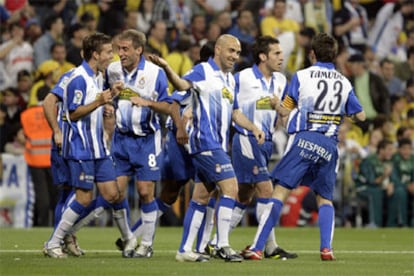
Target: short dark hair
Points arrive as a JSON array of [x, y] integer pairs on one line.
[[383, 144], [325, 47], [404, 141], [207, 51], [94, 42], [50, 20], [261, 46]]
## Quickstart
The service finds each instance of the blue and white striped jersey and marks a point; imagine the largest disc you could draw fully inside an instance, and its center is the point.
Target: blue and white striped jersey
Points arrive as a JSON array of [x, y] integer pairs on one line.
[[322, 96], [58, 91], [148, 81], [213, 101], [253, 94], [85, 139]]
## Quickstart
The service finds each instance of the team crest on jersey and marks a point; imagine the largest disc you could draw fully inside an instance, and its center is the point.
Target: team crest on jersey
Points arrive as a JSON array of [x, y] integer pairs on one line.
[[226, 94], [77, 99], [218, 168], [63, 82], [141, 82]]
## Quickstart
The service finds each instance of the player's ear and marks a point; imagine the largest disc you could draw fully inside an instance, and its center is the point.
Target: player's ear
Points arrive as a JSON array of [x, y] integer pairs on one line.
[[262, 56]]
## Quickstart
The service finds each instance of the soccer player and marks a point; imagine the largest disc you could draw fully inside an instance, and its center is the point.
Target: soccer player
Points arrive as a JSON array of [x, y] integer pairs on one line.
[[318, 98], [256, 88], [211, 84], [60, 170], [143, 97], [84, 144]]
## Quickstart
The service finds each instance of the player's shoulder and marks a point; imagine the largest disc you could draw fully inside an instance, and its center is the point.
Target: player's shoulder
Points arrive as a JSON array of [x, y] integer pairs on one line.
[[114, 66]]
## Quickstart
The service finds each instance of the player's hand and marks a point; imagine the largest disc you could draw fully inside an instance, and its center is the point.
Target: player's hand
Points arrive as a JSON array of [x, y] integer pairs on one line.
[[182, 135], [259, 134], [274, 102], [116, 88], [58, 139], [106, 96], [158, 60], [139, 101]]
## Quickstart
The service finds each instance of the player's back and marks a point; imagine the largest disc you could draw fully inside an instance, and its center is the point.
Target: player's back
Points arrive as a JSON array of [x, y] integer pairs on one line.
[[321, 94]]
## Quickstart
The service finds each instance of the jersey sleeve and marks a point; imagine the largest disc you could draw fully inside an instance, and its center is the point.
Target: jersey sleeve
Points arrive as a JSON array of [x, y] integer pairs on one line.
[[162, 87], [76, 93], [353, 105]]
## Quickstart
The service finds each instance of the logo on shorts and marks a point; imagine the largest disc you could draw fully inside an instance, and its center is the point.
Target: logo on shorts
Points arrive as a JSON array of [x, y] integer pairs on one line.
[[255, 170], [218, 168], [82, 177]]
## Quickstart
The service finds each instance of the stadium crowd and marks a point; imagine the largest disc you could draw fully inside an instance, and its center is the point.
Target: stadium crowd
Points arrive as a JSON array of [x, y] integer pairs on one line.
[[42, 39]]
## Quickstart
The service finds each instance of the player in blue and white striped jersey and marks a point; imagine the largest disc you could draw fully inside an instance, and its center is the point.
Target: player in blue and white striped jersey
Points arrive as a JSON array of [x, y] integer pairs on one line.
[[143, 97], [214, 107], [318, 98], [257, 88], [84, 144]]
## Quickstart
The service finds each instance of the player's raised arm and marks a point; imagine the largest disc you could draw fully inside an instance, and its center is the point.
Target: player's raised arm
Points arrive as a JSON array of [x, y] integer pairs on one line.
[[179, 83]]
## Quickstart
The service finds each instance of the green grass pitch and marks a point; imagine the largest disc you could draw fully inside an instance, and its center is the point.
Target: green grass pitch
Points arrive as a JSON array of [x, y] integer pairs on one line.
[[358, 251]]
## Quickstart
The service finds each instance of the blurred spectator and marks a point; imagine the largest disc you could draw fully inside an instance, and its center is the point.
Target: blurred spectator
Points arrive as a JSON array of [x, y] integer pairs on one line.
[[198, 29], [24, 84], [371, 60], [33, 30], [297, 59], [112, 16], [375, 182], [17, 145], [398, 205], [156, 40], [350, 26], [245, 28], [211, 7], [370, 90], [394, 84], [213, 31], [223, 19], [275, 24], [58, 53], [11, 111], [405, 70], [131, 20], [317, 14], [145, 10], [374, 137], [389, 24], [53, 32], [46, 76], [16, 54], [398, 116], [404, 132], [3, 126], [47, 8], [37, 155], [90, 22], [179, 58], [341, 61], [194, 52], [88, 11], [401, 54], [77, 32]]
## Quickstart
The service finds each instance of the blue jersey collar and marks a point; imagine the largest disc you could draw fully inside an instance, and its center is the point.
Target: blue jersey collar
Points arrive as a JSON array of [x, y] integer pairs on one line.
[[257, 72], [213, 64], [328, 65], [88, 68]]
